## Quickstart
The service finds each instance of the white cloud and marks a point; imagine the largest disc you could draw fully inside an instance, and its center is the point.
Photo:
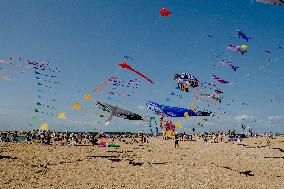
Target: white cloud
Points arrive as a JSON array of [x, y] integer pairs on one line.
[[275, 118], [241, 118], [141, 107]]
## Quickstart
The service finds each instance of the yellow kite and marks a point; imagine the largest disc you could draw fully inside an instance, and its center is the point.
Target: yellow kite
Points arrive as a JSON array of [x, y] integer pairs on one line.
[[244, 46], [76, 106], [43, 126], [178, 124], [61, 116], [192, 105], [88, 97]]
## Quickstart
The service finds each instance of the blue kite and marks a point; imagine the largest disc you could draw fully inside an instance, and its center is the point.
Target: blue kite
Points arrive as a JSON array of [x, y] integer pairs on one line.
[[173, 111]]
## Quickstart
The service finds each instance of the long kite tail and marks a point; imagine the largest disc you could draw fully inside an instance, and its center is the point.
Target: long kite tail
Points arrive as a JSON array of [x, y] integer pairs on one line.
[[235, 68], [145, 77], [243, 52]]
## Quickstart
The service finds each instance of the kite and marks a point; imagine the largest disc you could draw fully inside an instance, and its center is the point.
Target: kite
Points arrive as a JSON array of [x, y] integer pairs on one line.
[[228, 65], [43, 126], [196, 97], [186, 115], [97, 89], [165, 12], [115, 111], [218, 91], [128, 67], [213, 97], [192, 105], [30, 125], [220, 80], [242, 35], [173, 111], [128, 58], [88, 97], [6, 78], [178, 124], [61, 116], [14, 71], [104, 83], [76, 106], [185, 81], [236, 49], [273, 2], [244, 46]]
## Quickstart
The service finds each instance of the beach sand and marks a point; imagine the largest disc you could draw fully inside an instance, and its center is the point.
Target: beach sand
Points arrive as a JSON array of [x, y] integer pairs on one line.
[[249, 164]]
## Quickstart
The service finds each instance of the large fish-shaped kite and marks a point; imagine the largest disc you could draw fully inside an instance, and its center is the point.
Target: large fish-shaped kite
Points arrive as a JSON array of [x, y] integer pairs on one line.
[[173, 111], [115, 111], [128, 67]]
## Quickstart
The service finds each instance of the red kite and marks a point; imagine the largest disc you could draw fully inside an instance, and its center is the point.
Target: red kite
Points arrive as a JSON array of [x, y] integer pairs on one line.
[[128, 67], [165, 12]]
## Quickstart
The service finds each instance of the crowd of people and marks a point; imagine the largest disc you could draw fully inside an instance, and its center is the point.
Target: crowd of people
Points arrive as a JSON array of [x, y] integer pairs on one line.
[[70, 138], [91, 138]]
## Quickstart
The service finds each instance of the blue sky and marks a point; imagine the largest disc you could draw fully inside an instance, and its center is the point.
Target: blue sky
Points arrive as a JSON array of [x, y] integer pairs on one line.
[[87, 40]]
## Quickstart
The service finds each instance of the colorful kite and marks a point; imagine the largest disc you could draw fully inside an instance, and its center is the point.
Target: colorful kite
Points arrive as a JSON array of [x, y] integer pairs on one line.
[[185, 81]]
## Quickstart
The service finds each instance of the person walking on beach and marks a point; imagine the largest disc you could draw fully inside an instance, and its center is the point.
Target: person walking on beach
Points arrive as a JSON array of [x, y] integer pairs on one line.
[[176, 140]]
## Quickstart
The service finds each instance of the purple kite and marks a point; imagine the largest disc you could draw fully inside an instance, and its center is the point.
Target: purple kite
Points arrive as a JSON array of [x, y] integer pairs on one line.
[[216, 78]]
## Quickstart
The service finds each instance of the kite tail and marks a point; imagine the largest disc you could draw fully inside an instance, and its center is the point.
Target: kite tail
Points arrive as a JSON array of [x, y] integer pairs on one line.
[[235, 68], [243, 52], [142, 75]]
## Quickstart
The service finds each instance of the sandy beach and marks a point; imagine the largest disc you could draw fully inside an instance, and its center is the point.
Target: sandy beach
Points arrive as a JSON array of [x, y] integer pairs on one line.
[[249, 164]]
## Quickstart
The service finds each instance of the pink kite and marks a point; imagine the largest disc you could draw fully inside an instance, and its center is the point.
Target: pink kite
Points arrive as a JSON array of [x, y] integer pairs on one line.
[[128, 67], [236, 49]]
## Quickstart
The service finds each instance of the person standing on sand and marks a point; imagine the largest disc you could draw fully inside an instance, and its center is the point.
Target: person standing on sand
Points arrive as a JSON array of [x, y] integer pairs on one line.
[[176, 140]]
